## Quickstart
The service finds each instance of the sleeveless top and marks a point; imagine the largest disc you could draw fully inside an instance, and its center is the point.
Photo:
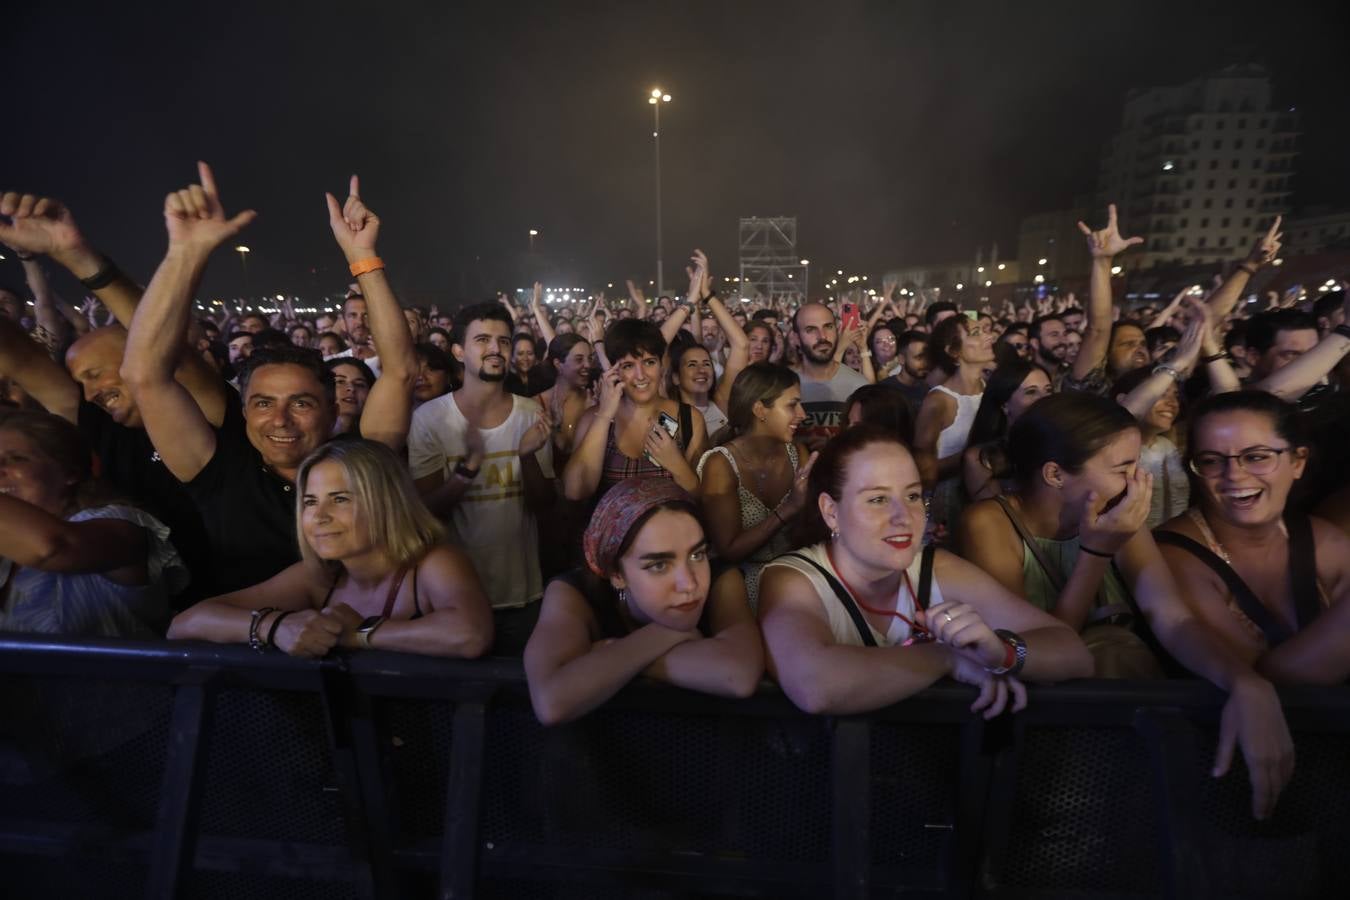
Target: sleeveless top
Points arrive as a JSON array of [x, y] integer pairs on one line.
[[1171, 487], [618, 466], [953, 438], [392, 596], [753, 511], [842, 628], [1041, 588]]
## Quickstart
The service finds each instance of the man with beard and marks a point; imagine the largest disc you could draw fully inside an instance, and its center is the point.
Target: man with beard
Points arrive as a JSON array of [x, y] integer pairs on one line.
[[826, 384], [482, 460], [89, 391], [359, 344], [1049, 344], [909, 379]]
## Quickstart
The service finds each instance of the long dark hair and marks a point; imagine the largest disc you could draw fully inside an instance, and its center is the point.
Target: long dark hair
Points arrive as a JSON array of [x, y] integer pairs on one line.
[[761, 382], [1066, 428], [884, 407], [682, 344], [991, 422]]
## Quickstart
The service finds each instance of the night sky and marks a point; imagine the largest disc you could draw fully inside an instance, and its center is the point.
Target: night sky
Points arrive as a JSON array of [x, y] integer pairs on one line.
[[898, 133]]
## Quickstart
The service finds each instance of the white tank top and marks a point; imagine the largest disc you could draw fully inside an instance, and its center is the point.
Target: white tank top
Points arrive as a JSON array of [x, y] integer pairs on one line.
[[953, 438], [841, 624]]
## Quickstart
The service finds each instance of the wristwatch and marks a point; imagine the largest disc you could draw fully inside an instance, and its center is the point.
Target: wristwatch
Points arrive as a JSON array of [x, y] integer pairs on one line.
[[1019, 652], [464, 471], [367, 628]]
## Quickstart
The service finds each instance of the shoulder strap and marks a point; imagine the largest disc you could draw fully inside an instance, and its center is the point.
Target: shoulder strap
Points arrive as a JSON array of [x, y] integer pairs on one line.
[[1051, 572], [393, 592], [925, 576], [1302, 569], [725, 451], [686, 425], [864, 630], [1247, 601]]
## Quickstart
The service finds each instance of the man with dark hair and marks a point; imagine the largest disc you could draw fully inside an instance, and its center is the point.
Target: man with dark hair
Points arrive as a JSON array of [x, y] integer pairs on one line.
[[242, 474], [482, 460], [1277, 338], [1327, 310], [240, 345], [943, 309], [826, 383], [909, 379], [1074, 319], [1046, 334]]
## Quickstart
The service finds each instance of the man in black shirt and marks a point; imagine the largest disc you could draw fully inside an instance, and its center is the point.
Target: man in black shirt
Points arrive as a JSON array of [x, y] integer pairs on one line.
[[242, 474]]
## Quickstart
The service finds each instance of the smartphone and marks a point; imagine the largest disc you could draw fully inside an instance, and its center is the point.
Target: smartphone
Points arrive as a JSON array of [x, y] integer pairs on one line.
[[672, 427], [667, 421], [851, 316]]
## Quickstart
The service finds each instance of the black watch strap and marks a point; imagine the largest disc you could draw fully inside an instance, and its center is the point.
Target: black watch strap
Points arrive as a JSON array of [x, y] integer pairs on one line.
[[465, 472]]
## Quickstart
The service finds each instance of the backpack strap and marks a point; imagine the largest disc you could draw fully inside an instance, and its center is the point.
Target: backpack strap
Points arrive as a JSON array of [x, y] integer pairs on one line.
[[845, 598], [1274, 632], [925, 577], [686, 425], [1303, 569]]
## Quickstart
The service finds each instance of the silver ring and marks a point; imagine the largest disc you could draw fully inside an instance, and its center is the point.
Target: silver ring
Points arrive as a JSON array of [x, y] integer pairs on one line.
[[949, 617]]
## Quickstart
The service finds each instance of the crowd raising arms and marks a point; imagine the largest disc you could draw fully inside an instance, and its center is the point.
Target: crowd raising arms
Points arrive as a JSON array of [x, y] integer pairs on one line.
[[691, 575]]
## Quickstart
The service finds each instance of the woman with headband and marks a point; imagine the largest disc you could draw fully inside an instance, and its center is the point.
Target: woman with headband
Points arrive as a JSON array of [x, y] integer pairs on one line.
[[647, 606]]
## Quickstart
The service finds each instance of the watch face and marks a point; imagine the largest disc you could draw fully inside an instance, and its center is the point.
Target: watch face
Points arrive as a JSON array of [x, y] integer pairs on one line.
[[369, 623]]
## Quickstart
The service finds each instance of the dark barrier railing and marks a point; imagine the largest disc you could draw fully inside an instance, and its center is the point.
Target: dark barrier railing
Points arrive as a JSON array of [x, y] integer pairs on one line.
[[187, 770]]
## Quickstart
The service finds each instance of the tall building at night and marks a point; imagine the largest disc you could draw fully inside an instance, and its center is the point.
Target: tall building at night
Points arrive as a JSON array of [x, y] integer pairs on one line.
[[1199, 168]]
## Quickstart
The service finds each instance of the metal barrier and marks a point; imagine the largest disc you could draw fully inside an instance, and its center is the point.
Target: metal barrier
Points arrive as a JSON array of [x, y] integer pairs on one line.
[[188, 770]]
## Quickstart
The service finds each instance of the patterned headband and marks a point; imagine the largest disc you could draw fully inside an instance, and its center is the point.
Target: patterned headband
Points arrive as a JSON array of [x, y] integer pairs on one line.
[[614, 516]]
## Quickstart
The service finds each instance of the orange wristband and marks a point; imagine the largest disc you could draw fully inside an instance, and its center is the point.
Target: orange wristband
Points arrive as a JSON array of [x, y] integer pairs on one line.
[[362, 266]]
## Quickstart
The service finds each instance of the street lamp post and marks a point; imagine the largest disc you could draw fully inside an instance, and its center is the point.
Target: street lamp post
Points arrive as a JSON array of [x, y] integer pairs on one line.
[[806, 281], [533, 234], [658, 97], [243, 261]]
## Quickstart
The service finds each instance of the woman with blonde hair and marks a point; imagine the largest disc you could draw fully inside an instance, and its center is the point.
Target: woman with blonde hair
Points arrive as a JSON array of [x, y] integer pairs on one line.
[[374, 572]]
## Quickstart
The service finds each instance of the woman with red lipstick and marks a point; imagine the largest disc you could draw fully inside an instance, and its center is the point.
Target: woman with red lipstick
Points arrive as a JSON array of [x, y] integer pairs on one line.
[[374, 572], [645, 605], [1270, 582], [865, 617]]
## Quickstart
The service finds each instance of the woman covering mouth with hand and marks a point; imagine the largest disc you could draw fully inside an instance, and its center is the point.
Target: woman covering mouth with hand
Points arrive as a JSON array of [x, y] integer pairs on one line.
[[866, 617]]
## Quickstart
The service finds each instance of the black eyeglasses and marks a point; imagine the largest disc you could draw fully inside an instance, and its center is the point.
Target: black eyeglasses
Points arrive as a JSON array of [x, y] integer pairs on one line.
[[1254, 460]]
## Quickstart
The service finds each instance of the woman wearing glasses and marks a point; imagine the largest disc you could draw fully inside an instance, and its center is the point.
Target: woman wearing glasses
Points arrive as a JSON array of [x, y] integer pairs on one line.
[[1269, 581]]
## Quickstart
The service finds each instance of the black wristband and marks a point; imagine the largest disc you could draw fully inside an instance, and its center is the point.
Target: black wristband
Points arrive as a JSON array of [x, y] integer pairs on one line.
[[106, 275], [1213, 358], [1083, 548], [465, 472], [276, 623], [1342, 330]]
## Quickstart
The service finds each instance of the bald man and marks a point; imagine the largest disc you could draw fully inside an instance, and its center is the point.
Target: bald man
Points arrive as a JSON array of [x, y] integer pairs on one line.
[[89, 393]]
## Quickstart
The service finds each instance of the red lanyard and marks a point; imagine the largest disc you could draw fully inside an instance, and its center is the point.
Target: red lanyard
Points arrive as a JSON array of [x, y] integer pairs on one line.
[[919, 632]]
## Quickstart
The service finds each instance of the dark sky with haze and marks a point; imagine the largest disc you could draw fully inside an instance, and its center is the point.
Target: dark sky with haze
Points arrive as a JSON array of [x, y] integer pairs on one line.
[[898, 133]]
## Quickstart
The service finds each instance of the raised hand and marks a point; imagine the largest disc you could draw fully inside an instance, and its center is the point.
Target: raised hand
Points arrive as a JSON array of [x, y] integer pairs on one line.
[[1107, 532], [196, 219], [354, 226], [1267, 247], [1107, 242], [698, 276], [40, 225], [611, 392], [536, 295]]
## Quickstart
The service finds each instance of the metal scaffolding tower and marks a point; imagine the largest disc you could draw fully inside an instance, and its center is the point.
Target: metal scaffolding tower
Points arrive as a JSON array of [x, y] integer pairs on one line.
[[770, 266]]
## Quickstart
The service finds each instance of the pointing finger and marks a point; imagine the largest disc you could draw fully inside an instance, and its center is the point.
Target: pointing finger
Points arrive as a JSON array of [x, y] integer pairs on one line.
[[206, 177], [355, 190]]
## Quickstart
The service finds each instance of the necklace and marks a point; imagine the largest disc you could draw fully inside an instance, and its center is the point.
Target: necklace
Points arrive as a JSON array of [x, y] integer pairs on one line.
[[919, 632]]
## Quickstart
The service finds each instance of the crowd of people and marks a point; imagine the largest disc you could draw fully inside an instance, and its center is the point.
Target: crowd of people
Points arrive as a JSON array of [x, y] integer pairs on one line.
[[852, 498]]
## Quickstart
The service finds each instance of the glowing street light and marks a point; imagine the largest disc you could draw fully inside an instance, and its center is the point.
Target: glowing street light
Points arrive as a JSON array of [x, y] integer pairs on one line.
[[243, 261], [533, 235], [806, 278], [657, 98], [1042, 261]]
